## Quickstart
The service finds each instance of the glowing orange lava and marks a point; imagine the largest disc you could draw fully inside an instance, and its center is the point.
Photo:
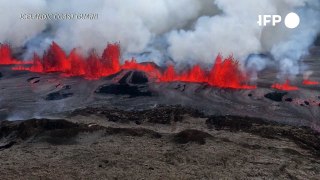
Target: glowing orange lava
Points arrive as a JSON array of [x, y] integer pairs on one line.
[[149, 68], [5, 56], [310, 83], [285, 87], [225, 73]]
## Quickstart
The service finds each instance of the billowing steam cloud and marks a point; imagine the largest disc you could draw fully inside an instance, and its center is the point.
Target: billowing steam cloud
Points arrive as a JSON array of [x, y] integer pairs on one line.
[[188, 31], [14, 30], [235, 32]]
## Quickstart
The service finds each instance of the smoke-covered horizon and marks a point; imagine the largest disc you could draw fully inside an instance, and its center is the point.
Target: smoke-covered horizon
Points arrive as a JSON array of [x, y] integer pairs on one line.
[[187, 31]]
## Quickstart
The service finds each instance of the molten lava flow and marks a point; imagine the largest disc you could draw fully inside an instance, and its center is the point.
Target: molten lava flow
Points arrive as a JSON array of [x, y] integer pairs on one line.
[[77, 64], [5, 56], [169, 75], [196, 74], [225, 73], [111, 57], [309, 82], [149, 68], [55, 60], [286, 86], [93, 67]]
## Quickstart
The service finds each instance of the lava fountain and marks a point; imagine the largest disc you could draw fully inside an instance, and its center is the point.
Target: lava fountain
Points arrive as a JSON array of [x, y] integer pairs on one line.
[[225, 72]]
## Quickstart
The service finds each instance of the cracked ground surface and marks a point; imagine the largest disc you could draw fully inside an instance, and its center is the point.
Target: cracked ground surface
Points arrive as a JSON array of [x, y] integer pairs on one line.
[[182, 146]]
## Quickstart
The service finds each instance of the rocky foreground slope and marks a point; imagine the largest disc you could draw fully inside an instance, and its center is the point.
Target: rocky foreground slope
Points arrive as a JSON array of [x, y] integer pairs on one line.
[[165, 142]]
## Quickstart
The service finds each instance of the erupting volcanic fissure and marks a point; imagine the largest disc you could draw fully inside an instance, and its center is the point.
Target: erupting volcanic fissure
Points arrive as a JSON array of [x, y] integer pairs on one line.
[[285, 86], [309, 82], [225, 73], [5, 56], [93, 67]]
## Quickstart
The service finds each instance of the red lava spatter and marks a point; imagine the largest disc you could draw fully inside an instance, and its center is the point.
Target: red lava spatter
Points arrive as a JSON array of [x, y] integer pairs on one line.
[[92, 67], [225, 72], [5, 56], [309, 82], [285, 86]]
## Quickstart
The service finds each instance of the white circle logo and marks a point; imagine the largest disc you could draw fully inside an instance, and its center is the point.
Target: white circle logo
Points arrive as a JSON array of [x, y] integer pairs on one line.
[[292, 20]]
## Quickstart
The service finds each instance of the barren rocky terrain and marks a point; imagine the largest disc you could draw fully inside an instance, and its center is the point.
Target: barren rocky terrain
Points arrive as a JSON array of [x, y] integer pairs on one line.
[[166, 142], [127, 126]]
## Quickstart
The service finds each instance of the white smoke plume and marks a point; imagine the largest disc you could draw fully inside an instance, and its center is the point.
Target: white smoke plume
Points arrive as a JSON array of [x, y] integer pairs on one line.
[[187, 31], [16, 31], [235, 31]]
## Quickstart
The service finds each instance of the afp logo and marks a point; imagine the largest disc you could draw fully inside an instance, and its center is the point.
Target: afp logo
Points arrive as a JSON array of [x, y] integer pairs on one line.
[[291, 21]]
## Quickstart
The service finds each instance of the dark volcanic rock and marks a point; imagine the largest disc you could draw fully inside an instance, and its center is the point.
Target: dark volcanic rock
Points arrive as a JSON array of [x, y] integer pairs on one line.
[[56, 132], [32, 79], [275, 96], [8, 145], [59, 131], [124, 89], [134, 77], [106, 150], [133, 83], [59, 95], [191, 135], [51, 131], [133, 132], [138, 78], [231, 123], [29, 128], [302, 136], [124, 79], [289, 99], [169, 114], [158, 115], [67, 87]]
